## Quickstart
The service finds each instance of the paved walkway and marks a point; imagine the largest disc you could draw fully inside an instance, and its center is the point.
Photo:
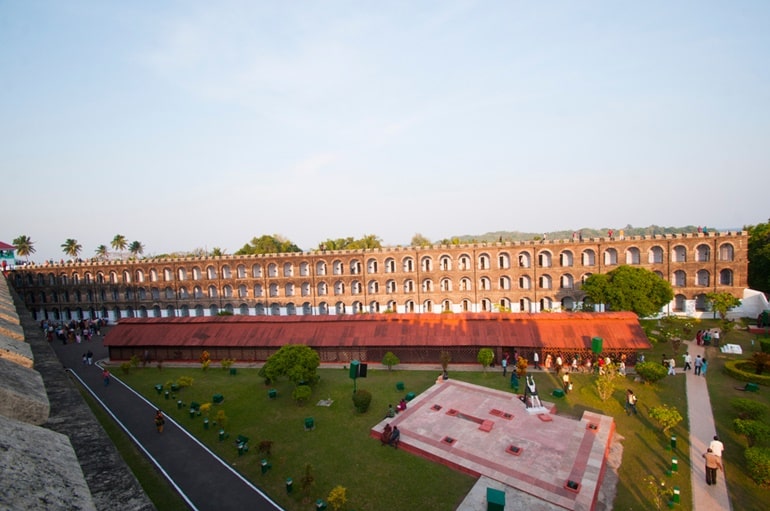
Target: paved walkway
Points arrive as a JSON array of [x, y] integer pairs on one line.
[[702, 430], [203, 479]]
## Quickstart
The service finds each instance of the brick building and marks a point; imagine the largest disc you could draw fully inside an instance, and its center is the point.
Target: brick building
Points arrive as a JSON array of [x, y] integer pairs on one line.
[[529, 277]]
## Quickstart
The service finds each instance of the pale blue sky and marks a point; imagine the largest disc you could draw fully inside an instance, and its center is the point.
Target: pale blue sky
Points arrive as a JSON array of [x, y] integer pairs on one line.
[[199, 124]]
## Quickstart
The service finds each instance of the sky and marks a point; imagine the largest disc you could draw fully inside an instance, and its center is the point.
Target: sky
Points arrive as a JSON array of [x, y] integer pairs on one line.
[[190, 124]]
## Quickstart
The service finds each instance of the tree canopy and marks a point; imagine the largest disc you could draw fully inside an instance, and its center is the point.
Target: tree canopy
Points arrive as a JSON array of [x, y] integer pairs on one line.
[[295, 361], [24, 246], [722, 302], [266, 244], [759, 257], [628, 288], [71, 247], [350, 243]]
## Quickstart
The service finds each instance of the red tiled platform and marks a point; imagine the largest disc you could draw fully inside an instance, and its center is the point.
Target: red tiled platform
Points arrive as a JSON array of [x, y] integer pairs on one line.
[[552, 452]]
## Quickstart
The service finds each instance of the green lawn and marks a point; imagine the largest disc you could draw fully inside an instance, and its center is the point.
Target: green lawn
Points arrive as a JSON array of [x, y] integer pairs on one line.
[[341, 452]]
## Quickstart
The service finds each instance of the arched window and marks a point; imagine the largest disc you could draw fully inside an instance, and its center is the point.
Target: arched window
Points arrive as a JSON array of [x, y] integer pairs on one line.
[[567, 281], [288, 289], [390, 265], [196, 273], [505, 283], [408, 286], [545, 282], [610, 257], [525, 260], [680, 279], [525, 282], [372, 266], [589, 257], [566, 259], [181, 274], [408, 264], [288, 270], [503, 260], [703, 278], [656, 255], [226, 272], [465, 284], [272, 270], [323, 289], [544, 259], [355, 267], [304, 269], [427, 285], [679, 254], [445, 263], [426, 263], [211, 272], [726, 252], [445, 285], [339, 288], [212, 292], [320, 268], [484, 262], [337, 267], [702, 253], [726, 277], [485, 284], [256, 271], [464, 262], [633, 256], [241, 271]]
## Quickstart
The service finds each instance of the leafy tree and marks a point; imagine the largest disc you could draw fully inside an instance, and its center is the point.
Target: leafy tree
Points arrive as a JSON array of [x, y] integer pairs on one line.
[[368, 241], [418, 240], [390, 360], [338, 244], [72, 248], [266, 244], [759, 257], [295, 361], [136, 248], [722, 302], [666, 416], [217, 252], [24, 246], [119, 243], [102, 252], [628, 288], [485, 357]]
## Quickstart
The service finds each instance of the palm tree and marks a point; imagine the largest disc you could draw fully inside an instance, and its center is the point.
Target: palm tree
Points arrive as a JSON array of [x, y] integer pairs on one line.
[[101, 252], [72, 248], [24, 246], [119, 243], [216, 252], [136, 248]]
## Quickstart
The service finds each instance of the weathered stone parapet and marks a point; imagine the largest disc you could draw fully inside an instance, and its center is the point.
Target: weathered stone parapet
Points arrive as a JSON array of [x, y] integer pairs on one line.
[[40, 470], [22, 393], [16, 351]]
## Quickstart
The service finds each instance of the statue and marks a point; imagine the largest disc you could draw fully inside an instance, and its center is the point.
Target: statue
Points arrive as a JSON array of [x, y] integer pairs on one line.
[[531, 399]]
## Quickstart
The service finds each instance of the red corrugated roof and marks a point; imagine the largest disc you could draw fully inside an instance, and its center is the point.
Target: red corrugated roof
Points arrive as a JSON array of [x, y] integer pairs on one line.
[[619, 330], [6, 246]]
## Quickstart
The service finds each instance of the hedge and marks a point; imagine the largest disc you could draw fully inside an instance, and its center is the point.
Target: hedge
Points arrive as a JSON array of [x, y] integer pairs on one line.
[[758, 464], [744, 370]]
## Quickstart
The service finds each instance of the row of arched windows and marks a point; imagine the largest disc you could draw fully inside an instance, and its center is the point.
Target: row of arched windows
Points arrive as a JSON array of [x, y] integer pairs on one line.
[[462, 262]]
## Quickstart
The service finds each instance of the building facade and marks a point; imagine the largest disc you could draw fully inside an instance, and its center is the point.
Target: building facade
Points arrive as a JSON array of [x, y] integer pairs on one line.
[[530, 276]]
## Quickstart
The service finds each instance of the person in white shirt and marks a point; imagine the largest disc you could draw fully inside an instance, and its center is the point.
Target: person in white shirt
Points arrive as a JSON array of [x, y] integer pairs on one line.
[[671, 366], [716, 446]]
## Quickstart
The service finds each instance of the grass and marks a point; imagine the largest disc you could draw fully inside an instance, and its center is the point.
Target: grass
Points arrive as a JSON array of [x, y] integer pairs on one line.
[[722, 389], [341, 452]]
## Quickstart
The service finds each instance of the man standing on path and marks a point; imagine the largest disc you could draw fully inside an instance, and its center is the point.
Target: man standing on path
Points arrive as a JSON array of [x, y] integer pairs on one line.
[[687, 361], [672, 366], [698, 365]]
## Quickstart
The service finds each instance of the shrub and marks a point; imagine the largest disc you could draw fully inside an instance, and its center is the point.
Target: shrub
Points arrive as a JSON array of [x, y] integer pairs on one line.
[[361, 400], [485, 357], [444, 358], [758, 464], [184, 381], [651, 371], [744, 370], [754, 431], [390, 360], [605, 382], [748, 408], [666, 416], [126, 367], [761, 361], [301, 393], [227, 363], [337, 497], [764, 345]]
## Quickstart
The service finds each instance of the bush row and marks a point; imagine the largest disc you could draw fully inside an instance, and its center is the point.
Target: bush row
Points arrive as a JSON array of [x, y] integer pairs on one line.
[[744, 370]]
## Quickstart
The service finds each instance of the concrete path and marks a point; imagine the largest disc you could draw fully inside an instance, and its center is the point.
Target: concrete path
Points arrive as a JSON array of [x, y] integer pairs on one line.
[[702, 431]]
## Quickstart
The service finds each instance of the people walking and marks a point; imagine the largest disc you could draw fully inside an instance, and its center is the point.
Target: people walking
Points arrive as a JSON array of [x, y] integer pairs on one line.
[[630, 402], [687, 361], [160, 421], [671, 366], [713, 463], [703, 367], [698, 365], [717, 447], [106, 377]]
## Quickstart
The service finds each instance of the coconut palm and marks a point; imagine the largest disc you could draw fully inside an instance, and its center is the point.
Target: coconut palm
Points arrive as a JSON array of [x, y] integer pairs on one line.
[[72, 248], [217, 252], [24, 246], [136, 248], [119, 243], [102, 252]]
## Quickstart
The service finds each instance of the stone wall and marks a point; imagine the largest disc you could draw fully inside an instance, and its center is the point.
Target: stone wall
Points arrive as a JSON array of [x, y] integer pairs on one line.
[[55, 454]]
